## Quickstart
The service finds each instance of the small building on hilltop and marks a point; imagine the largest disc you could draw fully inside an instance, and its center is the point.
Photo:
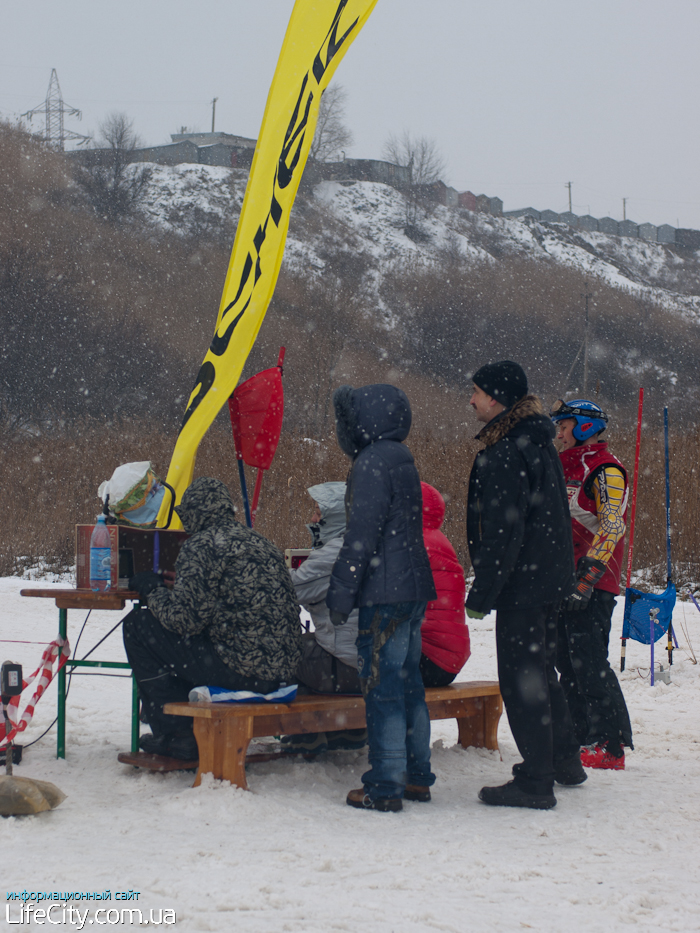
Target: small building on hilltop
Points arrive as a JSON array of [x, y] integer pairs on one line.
[[665, 233], [628, 228], [609, 226], [523, 212], [566, 217], [211, 139], [485, 204], [172, 154], [688, 239], [586, 222], [398, 176]]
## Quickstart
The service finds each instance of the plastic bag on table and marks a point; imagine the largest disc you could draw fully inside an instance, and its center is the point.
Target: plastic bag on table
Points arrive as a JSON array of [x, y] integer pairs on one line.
[[135, 494]]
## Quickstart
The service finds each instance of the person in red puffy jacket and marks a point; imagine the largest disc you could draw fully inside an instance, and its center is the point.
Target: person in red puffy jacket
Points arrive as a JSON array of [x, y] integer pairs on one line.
[[445, 635]]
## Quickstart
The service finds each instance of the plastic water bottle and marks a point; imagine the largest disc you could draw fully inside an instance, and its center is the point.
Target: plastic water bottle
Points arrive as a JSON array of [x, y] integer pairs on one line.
[[100, 556]]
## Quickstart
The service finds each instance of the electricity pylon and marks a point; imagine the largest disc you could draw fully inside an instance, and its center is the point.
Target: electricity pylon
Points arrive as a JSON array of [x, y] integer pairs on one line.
[[55, 109]]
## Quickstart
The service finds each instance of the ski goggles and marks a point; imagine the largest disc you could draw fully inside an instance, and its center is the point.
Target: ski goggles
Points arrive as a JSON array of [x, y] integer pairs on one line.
[[561, 410]]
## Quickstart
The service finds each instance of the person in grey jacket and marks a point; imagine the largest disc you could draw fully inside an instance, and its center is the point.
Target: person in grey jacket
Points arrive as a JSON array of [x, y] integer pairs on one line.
[[329, 656]]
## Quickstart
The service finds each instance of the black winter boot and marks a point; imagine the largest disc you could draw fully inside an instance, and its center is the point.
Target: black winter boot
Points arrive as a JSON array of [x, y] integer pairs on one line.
[[511, 795], [570, 772], [180, 745]]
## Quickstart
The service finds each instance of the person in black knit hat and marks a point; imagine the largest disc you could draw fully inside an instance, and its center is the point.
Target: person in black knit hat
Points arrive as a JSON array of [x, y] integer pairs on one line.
[[505, 382], [519, 536]]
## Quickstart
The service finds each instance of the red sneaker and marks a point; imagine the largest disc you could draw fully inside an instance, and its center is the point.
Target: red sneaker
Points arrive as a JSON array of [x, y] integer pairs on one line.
[[598, 756]]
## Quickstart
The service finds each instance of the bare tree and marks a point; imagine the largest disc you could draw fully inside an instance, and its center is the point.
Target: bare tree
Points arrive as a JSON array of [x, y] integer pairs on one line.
[[425, 164], [418, 153], [331, 136], [112, 187]]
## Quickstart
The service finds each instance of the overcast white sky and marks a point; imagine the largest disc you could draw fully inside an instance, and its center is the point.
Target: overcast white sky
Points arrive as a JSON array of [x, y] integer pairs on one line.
[[521, 95]]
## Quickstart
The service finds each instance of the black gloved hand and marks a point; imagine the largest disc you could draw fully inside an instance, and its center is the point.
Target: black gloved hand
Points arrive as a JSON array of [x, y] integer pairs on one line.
[[339, 618], [588, 572], [145, 582]]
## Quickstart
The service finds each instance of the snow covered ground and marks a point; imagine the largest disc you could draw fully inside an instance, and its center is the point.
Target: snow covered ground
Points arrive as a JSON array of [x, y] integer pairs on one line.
[[621, 851]]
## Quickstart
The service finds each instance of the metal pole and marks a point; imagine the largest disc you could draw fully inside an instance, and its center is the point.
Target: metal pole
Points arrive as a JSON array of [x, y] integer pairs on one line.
[[669, 571], [585, 353], [244, 492], [256, 496], [8, 747], [213, 113], [630, 548], [135, 727], [61, 725]]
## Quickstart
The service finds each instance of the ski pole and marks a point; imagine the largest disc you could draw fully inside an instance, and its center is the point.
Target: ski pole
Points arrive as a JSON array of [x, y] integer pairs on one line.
[[695, 602]]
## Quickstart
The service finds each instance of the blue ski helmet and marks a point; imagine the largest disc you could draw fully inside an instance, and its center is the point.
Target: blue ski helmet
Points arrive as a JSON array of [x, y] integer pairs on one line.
[[590, 418]]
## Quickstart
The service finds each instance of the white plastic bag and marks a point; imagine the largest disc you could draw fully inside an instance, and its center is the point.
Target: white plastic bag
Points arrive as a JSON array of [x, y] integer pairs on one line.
[[135, 493]]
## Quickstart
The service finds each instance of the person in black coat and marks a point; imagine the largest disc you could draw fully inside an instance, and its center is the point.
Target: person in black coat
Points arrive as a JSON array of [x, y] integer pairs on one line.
[[518, 531], [383, 569]]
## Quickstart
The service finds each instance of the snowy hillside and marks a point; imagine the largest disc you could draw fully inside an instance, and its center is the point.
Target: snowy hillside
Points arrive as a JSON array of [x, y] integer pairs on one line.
[[370, 220]]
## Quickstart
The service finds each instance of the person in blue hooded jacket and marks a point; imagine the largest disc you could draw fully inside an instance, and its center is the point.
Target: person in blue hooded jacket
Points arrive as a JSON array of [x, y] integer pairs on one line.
[[383, 569]]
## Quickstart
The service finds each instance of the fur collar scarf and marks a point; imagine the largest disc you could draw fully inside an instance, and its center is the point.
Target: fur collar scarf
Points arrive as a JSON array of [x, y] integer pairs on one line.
[[504, 423]]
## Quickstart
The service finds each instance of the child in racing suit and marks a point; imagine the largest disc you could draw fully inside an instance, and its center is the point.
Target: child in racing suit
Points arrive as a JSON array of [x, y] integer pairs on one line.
[[597, 487]]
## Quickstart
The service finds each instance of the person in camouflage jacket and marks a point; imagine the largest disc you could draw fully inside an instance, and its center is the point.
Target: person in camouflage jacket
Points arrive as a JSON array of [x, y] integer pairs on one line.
[[231, 619]]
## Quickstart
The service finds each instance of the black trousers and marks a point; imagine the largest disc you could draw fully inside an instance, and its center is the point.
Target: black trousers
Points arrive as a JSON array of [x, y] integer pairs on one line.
[[322, 672], [433, 675], [592, 690], [167, 666], [526, 642]]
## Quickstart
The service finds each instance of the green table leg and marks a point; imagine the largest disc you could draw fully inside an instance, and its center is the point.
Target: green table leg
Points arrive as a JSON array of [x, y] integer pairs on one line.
[[61, 732], [135, 726]]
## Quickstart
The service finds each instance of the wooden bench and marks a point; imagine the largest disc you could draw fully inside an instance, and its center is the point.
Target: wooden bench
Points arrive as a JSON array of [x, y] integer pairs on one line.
[[223, 731]]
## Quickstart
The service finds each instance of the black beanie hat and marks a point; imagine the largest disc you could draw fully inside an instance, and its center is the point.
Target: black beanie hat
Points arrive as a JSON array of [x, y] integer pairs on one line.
[[505, 381]]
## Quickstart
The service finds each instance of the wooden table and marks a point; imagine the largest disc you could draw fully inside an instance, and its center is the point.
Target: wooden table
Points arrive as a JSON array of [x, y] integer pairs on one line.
[[86, 599]]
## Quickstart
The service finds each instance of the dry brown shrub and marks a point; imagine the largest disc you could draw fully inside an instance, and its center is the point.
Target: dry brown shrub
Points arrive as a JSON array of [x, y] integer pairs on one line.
[[50, 484]]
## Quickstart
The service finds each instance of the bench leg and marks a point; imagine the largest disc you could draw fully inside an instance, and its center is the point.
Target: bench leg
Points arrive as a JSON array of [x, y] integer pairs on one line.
[[222, 745], [480, 728], [471, 728], [493, 707]]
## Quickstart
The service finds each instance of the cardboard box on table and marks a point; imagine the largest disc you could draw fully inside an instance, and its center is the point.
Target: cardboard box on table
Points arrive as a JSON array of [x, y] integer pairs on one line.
[[133, 550]]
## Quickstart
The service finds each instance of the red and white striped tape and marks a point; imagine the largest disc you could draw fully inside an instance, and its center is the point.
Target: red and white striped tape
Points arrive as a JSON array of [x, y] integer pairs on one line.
[[58, 649]]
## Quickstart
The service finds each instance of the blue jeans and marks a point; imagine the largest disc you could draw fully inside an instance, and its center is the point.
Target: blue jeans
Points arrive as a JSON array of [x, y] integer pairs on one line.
[[398, 723]]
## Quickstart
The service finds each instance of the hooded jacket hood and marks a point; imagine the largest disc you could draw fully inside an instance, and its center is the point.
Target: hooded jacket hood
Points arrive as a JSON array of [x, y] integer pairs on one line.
[[368, 414], [433, 507], [331, 499], [538, 430], [206, 502]]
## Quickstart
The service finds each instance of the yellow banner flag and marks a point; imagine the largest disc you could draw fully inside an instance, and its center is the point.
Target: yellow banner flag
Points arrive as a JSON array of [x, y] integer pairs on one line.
[[318, 35]]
